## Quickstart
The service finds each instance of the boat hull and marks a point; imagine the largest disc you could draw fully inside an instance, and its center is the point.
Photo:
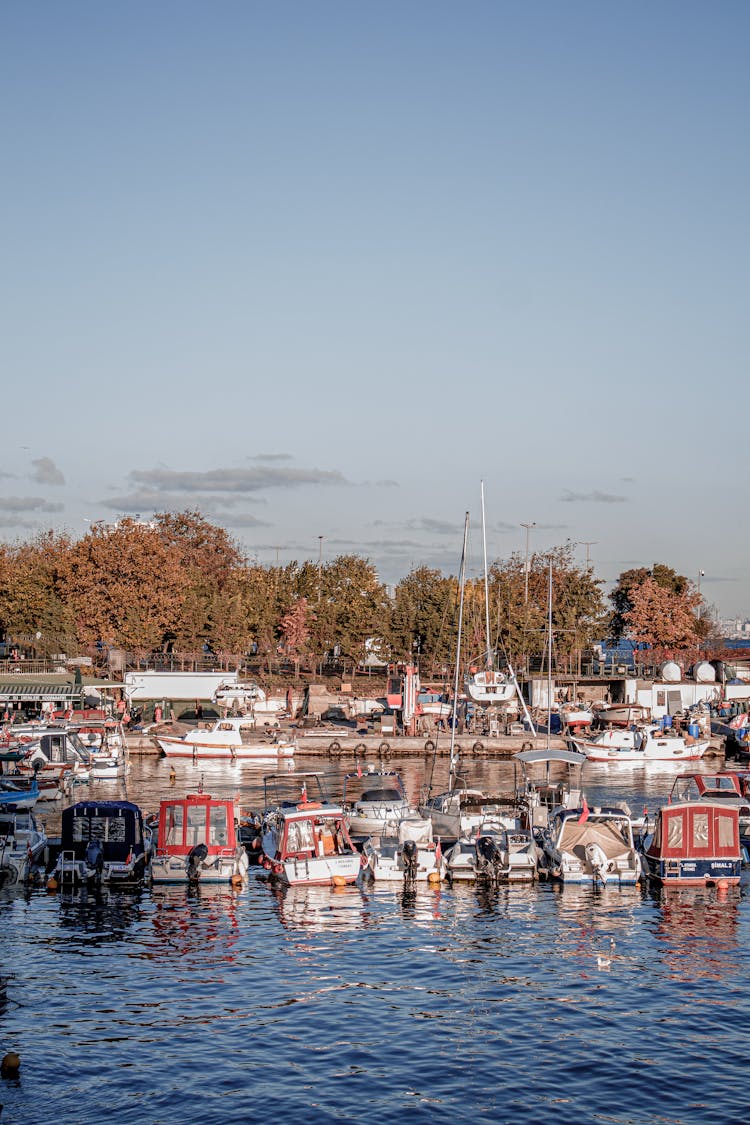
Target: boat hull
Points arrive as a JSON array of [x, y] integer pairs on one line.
[[262, 751], [692, 872]]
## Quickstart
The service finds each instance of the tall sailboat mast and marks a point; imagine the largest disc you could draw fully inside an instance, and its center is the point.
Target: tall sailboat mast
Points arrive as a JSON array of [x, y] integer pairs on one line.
[[489, 662], [456, 677]]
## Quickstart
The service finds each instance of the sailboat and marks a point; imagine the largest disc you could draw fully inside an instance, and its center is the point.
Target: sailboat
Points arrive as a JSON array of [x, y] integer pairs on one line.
[[488, 686]]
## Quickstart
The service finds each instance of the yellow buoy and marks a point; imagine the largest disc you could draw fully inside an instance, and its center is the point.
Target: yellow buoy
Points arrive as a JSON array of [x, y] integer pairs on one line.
[[52, 883], [236, 880], [338, 881], [11, 1063], [433, 877]]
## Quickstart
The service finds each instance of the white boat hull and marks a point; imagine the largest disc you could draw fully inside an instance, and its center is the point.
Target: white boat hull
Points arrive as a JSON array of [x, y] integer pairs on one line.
[[215, 869], [209, 751]]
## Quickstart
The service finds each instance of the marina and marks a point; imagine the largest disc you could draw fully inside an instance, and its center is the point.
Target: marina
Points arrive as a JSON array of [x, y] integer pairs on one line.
[[291, 992]]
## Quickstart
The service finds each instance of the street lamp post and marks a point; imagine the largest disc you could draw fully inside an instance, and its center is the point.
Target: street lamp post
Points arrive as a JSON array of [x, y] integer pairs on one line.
[[528, 527], [320, 562]]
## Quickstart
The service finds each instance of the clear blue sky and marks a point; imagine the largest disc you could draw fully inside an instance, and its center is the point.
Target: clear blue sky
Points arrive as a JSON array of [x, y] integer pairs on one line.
[[318, 268]]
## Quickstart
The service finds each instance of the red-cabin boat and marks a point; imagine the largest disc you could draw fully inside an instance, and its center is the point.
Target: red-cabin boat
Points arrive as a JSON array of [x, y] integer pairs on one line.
[[197, 842], [695, 842]]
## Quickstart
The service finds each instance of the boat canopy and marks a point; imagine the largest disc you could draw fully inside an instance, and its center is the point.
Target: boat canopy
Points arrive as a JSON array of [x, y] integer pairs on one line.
[[536, 757], [118, 825]]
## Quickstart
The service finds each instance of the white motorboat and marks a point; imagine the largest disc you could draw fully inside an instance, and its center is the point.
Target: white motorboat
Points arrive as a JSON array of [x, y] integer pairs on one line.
[[197, 842], [234, 737], [499, 852], [373, 800], [250, 698], [407, 853], [591, 846], [648, 743], [22, 844], [459, 812], [307, 841], [55, 753], [559, 785]]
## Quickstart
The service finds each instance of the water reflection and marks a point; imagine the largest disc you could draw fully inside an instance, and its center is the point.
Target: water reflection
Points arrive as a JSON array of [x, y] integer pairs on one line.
[[319, 909], [697, 930], [200, 921], [101, 913]]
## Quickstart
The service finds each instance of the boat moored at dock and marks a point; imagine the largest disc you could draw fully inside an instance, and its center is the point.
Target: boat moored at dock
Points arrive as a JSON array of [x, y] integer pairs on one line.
[[694, 843], [197, 842]]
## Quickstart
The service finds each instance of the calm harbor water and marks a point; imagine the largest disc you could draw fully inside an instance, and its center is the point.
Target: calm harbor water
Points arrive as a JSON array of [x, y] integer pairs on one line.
[[530, 1003]]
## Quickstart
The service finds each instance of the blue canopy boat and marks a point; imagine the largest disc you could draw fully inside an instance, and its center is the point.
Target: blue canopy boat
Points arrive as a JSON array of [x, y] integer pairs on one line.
[[103, 842]]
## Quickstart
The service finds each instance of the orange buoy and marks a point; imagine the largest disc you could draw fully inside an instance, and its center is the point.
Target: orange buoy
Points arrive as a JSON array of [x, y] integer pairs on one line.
[[338, 881], [236, 880], [52, 883], [722, 885], [11, 1063]]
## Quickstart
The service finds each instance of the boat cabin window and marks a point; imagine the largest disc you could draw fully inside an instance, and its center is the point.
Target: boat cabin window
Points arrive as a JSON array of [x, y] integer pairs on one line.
[[104, 828], [225, 726], [300, 836], [674, 832], [218, 832], [700, 830], [381, 795], [196, 825], [174, 824], [56, 748], [725, 831]]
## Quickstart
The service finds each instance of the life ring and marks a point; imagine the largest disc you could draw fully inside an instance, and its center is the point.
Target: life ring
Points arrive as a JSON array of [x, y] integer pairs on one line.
[[334, 747], [360, 748], [309, 805], [526, 746], [384, 748], [478, 747], [429, 746]]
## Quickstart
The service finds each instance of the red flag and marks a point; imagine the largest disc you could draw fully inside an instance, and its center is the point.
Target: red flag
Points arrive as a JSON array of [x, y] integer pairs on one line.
[[438, 853], [304, 793], [359, 770], [584, 811]]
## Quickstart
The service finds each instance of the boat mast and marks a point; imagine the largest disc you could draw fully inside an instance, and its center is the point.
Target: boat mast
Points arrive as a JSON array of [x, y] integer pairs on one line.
[[549, 653], [489, 662], [461, 585]]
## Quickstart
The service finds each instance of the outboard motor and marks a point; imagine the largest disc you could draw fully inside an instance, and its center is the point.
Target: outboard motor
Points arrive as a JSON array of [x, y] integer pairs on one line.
[[196, 857], [489, 856], [598, 861], [95, 857], [410, 856]]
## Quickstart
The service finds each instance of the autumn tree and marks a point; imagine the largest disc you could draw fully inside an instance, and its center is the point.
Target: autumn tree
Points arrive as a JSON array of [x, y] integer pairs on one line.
[[125, 586], [663, 619], [629, 581], [422, 616], [352, 609], [33, 594], [209, 560], [295, 630]]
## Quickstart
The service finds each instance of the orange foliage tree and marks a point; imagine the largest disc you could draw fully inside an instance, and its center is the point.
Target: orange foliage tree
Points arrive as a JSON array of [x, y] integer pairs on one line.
[[662, 618], [125, 586]]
